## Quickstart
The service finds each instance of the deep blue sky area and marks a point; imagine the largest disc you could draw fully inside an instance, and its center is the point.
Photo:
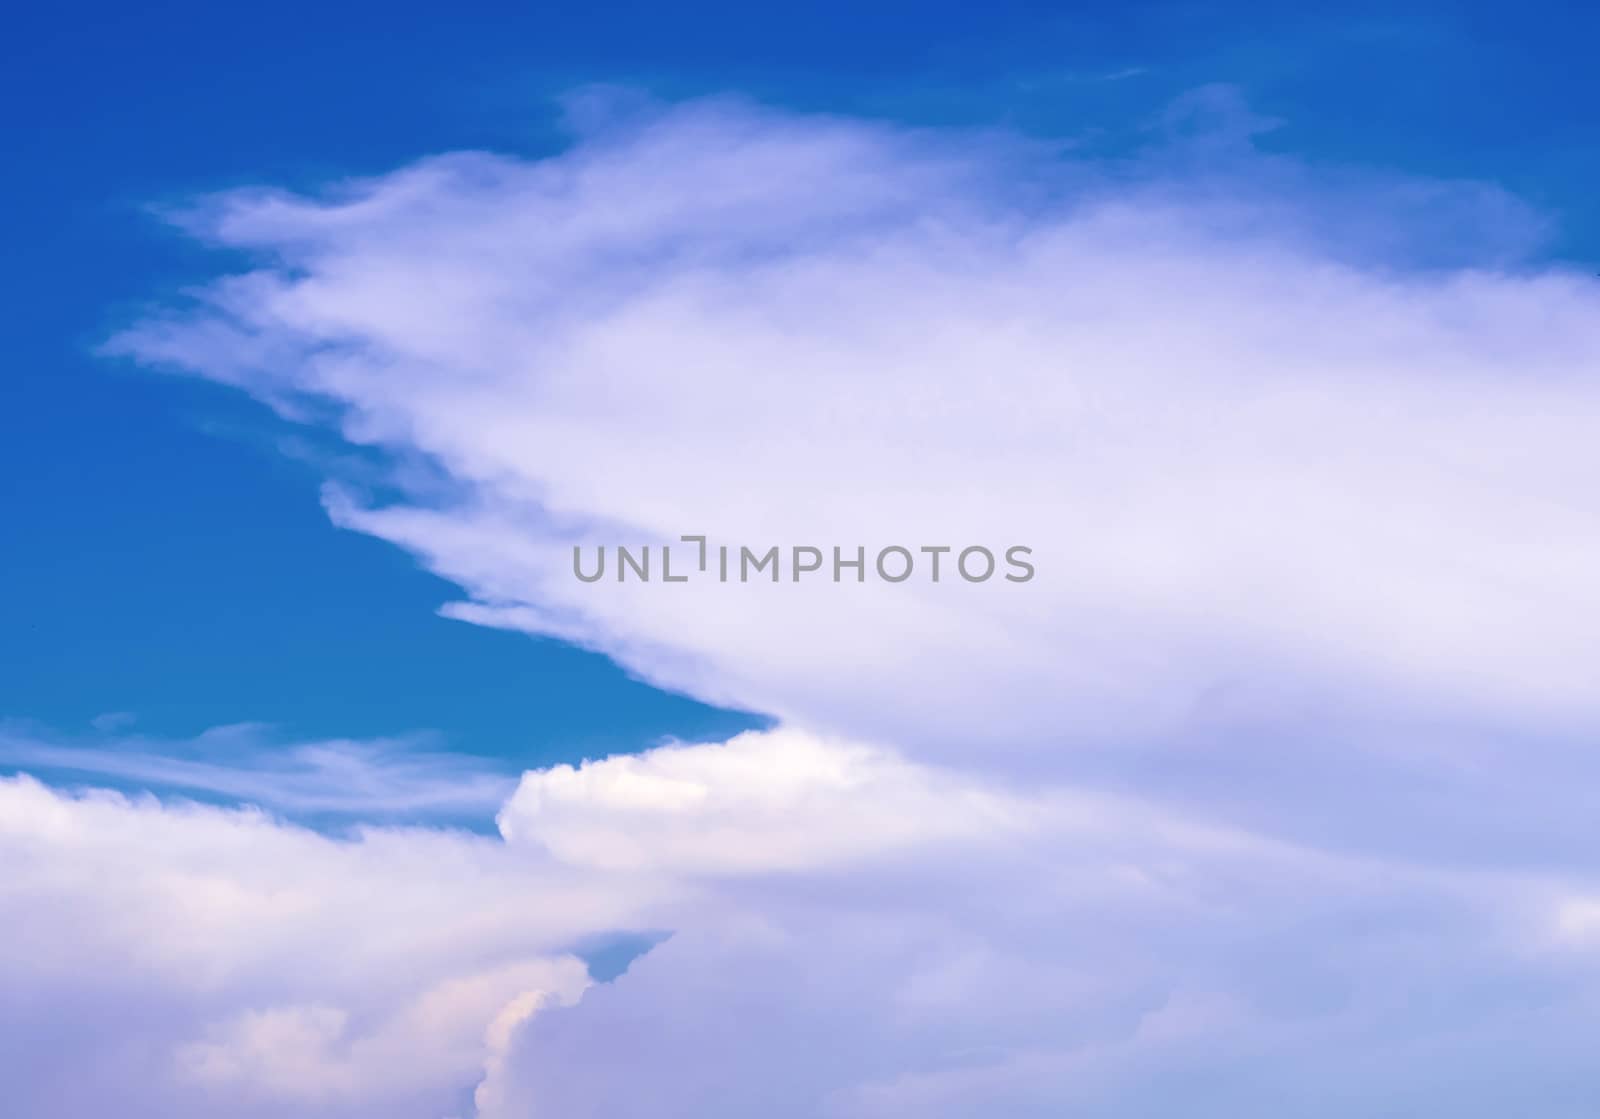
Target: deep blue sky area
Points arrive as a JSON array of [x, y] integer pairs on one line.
[[162, 558]]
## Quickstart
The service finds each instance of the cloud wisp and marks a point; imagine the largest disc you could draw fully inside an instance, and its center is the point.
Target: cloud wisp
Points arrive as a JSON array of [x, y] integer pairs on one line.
[[381, 779]]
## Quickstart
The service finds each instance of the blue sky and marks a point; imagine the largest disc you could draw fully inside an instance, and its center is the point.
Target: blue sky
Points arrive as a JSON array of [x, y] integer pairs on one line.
[[332, 330]]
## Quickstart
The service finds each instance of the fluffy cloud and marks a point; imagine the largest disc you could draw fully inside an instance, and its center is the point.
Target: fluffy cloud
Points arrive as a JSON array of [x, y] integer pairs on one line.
[[1245, 450], [762, 803], [170, 959], [1265, 794], [852, 934]]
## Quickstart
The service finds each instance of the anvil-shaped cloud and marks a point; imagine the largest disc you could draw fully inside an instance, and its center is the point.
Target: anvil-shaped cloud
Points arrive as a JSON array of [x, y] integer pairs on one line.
[[1264, 795]]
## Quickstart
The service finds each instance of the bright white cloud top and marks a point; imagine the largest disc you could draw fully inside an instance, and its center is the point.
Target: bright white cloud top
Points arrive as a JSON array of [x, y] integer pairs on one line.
[[1262, 796], [1245, 443]]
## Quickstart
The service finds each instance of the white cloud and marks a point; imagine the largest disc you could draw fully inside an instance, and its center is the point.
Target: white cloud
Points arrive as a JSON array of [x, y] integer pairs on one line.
[[248, 763], [853, 934], [173, 959], [761, 803], [1265, 795], [1242, 449]]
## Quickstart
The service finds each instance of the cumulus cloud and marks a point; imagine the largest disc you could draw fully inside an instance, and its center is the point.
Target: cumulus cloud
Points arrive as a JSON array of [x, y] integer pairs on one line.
[[852, 934], [172, 959], [762, 803], [1242, 450], [1073, 952], [1263, 795]]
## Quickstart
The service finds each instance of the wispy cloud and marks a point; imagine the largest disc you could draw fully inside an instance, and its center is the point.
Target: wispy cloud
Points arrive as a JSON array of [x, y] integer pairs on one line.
[[363, 780]]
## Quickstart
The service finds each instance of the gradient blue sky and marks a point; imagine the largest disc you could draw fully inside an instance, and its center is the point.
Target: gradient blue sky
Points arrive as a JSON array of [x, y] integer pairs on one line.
[[164, 559]]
